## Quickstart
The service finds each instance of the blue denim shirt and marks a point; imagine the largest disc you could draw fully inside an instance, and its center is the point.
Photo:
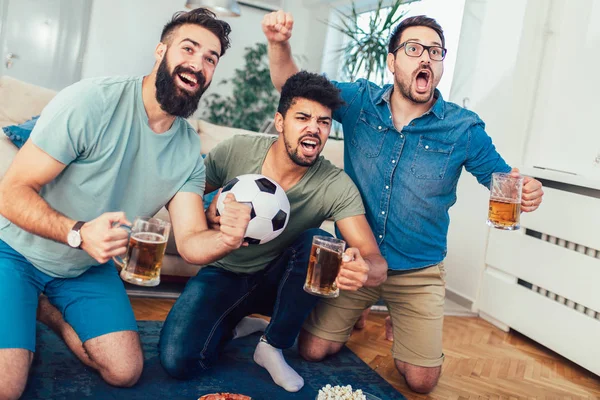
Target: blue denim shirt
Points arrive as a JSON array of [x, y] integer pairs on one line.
[[408, 179]]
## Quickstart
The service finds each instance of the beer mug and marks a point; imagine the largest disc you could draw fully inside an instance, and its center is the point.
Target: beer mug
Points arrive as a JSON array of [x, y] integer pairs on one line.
[[324, 265], [145, 251], [505, 201]]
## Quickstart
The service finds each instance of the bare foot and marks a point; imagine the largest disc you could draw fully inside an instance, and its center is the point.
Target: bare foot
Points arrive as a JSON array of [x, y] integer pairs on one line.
[[362, 321], [389, 329]]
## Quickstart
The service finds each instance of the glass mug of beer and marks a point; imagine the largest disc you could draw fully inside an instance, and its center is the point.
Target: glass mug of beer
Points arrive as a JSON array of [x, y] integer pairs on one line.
[[324, 265], [505, 201], [145, 251]]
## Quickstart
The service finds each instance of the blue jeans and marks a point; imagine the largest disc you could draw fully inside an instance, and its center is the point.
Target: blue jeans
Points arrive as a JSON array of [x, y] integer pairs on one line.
[[202, 320]]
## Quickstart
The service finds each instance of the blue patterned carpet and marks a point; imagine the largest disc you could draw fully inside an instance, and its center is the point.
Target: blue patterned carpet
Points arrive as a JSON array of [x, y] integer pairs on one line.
[[56, 374]]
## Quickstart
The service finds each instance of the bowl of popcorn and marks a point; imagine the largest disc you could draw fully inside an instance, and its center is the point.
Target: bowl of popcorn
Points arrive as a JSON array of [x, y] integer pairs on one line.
[[338, 392]]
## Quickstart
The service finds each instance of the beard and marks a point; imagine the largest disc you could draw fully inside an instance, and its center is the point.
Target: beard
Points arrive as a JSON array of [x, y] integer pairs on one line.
[[172, 99], [295, 155], [418, 98]]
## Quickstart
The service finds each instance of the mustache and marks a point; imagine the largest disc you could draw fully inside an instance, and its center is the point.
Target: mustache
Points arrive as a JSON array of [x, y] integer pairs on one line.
[[200, 78]]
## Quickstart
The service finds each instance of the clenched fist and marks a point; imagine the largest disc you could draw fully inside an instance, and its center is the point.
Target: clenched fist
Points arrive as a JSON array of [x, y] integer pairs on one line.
[[532, 193], [354, 271], [234, 221], [277, 26]]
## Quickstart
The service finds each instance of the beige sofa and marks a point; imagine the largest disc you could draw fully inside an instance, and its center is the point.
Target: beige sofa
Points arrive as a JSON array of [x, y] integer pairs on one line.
[[20, 101]]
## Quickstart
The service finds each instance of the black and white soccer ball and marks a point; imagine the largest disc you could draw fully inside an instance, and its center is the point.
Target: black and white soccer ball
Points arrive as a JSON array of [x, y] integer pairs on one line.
[[270, 206]]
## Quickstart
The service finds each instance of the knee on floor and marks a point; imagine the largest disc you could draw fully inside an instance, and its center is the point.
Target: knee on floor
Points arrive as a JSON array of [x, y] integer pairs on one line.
[[312, 354], [420, 379], [11, 391], [122, 375], [181, 365]]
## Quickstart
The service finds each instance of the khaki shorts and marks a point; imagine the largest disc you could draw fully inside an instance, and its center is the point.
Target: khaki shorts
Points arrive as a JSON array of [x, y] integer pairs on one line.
[[415, 301]]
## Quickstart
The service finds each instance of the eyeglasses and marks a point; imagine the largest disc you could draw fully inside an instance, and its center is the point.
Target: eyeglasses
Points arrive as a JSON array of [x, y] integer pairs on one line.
[[414, 49]]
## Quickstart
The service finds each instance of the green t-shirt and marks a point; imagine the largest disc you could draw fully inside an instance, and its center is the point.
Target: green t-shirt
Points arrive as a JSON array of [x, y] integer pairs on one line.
[[99, 129], [325, 191]]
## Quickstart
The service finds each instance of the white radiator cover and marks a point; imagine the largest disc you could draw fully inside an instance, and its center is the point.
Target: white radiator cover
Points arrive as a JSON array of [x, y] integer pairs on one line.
[[544, 279]]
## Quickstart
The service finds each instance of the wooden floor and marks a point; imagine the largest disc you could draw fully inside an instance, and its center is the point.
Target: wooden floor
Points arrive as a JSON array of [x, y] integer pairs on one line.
[[482, 362]]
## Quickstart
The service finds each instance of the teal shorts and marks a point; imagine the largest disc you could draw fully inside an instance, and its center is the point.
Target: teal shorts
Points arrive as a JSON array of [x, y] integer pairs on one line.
[[94, 303]]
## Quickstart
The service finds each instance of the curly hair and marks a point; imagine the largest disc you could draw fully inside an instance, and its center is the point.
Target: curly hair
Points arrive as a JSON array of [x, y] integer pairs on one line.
[[309, 86]]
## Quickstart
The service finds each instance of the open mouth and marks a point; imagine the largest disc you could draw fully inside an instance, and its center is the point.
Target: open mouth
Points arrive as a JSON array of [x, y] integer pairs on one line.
[[310, 146], [423, 80], [189, 81]]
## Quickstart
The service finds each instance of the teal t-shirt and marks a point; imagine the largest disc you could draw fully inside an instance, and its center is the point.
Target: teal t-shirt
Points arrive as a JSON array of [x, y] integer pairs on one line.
[[99, 129]]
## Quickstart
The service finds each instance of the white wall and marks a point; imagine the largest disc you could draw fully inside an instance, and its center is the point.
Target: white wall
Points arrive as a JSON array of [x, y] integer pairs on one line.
[[563, 131], [489, 73]]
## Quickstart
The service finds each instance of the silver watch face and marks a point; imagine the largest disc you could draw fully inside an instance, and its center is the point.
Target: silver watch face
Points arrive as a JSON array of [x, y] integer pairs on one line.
[[74, 239]]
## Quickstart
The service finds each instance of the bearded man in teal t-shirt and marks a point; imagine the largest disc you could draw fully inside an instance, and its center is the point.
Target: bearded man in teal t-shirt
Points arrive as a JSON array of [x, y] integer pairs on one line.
[[103, 152]]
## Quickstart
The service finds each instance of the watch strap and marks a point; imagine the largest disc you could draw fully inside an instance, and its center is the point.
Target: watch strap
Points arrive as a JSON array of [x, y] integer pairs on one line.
[[77, 226]]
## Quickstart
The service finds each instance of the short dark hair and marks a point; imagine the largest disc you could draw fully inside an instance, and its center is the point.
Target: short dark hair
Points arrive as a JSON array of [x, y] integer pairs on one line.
[[419, 20], [310, 86], [202, 17]]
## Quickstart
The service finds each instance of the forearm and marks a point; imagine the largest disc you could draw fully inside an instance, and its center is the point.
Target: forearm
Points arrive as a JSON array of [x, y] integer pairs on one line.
[[203, 247], [377, 270], [281, 63], [24, 207]]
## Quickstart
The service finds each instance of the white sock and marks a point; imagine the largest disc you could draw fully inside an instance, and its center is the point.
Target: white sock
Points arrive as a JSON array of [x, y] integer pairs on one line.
[[272, 360], [249, 325]]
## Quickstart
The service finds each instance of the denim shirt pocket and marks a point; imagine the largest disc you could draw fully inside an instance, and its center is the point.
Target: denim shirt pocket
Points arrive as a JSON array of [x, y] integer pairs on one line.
[[369, 134], [431, 158]]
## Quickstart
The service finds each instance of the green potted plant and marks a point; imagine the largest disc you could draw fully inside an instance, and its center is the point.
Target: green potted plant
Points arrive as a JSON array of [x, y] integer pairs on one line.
[[254, 99], [365, 50]]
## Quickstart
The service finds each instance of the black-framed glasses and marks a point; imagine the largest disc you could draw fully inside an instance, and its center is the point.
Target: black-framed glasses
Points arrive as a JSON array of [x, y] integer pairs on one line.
[[414, 49]]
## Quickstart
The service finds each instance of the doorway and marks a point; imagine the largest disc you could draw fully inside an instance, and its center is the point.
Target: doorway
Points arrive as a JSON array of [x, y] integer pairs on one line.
[[43, 41]]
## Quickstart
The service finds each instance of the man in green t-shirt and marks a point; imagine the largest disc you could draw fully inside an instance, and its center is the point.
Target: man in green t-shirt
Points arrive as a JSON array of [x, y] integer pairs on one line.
[[104, 151], [268, 279]]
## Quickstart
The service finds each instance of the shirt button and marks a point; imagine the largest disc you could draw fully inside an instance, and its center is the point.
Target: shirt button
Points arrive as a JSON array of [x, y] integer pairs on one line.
[[379, 127], [387, 187], [401, 136], [380, 236], [383, 213], [393, 161], [426, 147]]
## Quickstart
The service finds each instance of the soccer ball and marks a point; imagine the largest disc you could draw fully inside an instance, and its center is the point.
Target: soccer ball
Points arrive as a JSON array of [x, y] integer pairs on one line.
[[270, 206]]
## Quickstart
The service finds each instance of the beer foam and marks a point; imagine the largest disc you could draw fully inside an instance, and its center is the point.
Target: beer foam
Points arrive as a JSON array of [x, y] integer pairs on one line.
[[149, 237]]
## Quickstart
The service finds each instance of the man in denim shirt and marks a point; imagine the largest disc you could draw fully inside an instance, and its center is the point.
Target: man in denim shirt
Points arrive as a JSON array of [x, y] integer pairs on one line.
[[405, 148]]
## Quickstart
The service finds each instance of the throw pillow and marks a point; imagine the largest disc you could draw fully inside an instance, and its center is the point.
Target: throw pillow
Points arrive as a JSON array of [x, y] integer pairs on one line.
[[19, 134]]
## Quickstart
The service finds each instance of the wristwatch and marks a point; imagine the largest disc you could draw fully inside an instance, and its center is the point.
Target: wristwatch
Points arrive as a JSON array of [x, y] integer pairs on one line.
[[74, 237]]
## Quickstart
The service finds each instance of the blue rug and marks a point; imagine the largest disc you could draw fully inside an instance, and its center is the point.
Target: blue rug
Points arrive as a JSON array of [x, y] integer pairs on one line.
[[57, 374]]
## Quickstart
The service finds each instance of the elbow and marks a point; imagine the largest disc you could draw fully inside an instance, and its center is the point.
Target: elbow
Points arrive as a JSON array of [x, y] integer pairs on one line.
[[187, 255], [183, 251], [190, 256]]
